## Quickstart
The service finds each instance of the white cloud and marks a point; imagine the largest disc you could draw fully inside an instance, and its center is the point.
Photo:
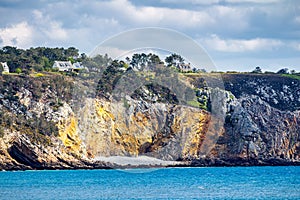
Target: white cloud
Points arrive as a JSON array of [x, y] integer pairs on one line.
[[19, 34], [177, 17], [51, 28], [253, 1], [156, 16], [224, 25], [228, 18], [37, 14], [56, 32], [295, 45], [297, 19], [235, 45], [201, 2], [207, 2]]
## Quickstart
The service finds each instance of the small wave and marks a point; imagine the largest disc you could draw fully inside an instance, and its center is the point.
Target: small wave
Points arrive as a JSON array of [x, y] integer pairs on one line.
[[201, 187]]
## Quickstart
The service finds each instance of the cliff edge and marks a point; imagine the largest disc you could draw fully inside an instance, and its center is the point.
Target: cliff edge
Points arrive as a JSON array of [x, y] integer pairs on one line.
[[59, 122]]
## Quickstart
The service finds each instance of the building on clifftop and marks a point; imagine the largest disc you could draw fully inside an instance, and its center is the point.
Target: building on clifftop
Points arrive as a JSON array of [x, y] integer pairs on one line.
[[65, 66], [183, 67], [5, 67], [62, 66], [78, 66]]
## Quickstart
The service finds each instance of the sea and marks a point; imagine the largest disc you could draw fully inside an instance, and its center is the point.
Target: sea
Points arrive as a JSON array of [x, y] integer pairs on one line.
[[165, 183]]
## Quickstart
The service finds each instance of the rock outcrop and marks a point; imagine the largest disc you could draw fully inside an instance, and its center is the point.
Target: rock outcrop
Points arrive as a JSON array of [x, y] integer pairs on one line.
[[252, 122]]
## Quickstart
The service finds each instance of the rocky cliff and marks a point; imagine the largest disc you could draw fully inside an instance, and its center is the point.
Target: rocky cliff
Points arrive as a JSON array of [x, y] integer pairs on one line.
[[57, 122]]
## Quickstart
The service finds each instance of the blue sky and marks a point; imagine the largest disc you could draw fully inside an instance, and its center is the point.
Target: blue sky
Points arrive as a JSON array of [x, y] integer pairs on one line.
[[237, 34]]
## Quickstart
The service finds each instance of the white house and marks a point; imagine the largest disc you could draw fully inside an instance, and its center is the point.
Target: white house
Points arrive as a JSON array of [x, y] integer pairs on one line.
[[77, 66], [62, 65], [184, 67], [5, 67]]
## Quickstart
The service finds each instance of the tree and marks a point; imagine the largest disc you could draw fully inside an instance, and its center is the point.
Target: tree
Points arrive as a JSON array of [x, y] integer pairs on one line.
[[46, 63], [154, 59], [293, 71], [71, 59], [11, 50], [139, 61], [1, 70], [109, 79], [142, 61], [257, 70], [97, 63], [71, 52], [283, 71], [82, 57], [174, 60], [127, 60], [135, 60]]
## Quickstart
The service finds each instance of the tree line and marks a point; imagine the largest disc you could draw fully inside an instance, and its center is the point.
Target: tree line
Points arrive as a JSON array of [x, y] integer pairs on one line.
[[40, 59], [258, 70], [37, 59]]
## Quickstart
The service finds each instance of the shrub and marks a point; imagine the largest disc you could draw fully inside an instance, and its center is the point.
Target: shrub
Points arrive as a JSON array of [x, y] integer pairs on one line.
[[18, 70], [39, 75]]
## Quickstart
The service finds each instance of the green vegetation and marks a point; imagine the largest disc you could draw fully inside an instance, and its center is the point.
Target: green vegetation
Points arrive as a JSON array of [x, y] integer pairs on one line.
[[283, 71], [202, 98], [232, 72], [41, 59], [294, 76], [14, 116], [39, 75], [109, 79], [174, 60], [37, 129], [18, 70], [193, 103], [36, 59], [141, 61]]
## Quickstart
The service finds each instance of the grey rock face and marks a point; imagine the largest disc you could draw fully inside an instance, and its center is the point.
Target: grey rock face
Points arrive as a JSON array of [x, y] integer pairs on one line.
[[254, 121], [280, 92], [258, 134]]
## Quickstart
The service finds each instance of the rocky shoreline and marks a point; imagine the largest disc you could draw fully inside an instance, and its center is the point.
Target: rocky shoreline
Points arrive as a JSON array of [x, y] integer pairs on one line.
[[85, 165], [24, 156]]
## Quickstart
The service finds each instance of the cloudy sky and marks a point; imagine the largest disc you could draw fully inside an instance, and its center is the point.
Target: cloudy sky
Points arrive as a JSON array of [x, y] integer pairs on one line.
[[237, 34]]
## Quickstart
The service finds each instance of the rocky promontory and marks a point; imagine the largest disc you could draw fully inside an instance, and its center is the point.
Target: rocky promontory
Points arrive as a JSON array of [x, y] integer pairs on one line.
[[56, 121]]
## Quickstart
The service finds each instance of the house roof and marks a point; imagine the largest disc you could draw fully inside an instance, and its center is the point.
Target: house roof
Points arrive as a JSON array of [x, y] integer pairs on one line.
[[67, 65], [77, 65], [62, 65]]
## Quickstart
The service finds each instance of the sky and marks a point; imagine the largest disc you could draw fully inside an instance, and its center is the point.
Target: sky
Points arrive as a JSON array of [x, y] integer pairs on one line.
[[238, 35]]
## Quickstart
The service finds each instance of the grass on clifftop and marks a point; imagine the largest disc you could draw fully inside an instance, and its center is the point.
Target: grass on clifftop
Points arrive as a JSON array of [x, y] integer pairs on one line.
[[294, 76]]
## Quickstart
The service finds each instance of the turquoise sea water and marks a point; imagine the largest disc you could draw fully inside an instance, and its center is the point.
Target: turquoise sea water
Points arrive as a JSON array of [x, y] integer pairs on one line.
[[170, 183]]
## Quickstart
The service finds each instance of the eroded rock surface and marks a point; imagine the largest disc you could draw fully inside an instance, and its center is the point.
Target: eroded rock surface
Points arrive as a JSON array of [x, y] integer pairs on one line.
[[42, 128]]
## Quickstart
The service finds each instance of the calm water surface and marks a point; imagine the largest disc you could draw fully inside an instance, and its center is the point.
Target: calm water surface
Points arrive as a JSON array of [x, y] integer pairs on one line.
[[171, 183]]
